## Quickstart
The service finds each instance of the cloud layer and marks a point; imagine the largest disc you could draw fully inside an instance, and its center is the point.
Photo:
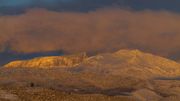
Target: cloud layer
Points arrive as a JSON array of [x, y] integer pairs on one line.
[[98, 31]]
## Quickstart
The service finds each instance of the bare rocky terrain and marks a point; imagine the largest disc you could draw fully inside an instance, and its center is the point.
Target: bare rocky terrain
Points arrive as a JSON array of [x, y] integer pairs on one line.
[[125, 75]]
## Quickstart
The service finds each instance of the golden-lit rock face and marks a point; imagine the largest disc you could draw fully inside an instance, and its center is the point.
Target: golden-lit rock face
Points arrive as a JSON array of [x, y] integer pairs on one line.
[[49, 62], [122, 62]]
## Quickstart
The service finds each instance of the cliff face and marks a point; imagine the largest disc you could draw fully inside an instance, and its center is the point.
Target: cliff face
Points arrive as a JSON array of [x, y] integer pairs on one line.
[[49, 62]]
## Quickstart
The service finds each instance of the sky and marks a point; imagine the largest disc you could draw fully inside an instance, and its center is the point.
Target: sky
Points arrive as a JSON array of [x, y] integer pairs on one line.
[[19, 6], [31, 28]]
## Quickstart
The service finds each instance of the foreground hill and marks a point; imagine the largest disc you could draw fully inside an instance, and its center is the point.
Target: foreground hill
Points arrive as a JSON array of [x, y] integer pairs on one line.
[[125, 75]]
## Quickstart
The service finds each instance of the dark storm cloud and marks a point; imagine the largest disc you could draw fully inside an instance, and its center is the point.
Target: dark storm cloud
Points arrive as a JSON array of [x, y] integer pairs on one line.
[[20, 6], [98, 31]]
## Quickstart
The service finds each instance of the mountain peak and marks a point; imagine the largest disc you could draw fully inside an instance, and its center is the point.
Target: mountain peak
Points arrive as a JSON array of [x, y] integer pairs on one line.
[[135, 52], [132, 56]]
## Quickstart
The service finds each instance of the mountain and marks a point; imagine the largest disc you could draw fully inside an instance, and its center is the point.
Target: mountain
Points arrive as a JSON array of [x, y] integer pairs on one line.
[[123, 62]]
